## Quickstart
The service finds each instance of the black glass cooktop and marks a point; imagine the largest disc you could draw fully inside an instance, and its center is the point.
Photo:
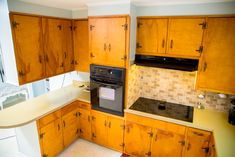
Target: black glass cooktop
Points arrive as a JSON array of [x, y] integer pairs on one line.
[[162, 108]]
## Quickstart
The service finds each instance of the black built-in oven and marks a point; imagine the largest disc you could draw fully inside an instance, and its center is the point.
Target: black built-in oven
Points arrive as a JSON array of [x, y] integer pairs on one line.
[[107, 89]]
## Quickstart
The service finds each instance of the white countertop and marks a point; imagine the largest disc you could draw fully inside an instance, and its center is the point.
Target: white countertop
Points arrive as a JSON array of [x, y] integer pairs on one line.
[[35, 108], [217, 122]]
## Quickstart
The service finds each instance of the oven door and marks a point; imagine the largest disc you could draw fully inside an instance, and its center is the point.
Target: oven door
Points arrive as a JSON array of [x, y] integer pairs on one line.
[[107, 97]]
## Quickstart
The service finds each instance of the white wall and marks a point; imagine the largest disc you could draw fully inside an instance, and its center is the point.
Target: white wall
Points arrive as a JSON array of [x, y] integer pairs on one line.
[[187, 9], [6, 42], [80, 13], [19, 6], [109, 9]]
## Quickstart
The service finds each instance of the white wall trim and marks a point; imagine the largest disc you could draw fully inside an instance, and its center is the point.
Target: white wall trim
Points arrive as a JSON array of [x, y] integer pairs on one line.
[[108, 3]]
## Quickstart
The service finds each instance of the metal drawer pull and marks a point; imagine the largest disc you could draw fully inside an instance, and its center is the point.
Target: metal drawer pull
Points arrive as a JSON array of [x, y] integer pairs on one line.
[[171, 44], [163, 43], [109, 47], [105, 47], [205, 67]]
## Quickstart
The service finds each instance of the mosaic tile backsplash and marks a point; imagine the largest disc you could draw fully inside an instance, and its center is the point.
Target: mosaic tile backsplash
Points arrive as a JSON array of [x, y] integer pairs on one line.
[[172, 86]]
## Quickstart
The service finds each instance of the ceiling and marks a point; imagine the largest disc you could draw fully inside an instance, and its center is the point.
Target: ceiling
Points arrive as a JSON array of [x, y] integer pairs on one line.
[[77, 4]]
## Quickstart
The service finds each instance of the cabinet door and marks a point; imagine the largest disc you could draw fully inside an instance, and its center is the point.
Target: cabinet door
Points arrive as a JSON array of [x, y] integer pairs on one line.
[[53, 46], [81, 51], [98, 28], [70, 123], [216, 69], [197, 143], [115, 133], [212, 151], [185, 36], [116, 44], [165, 144], [68, 46], [27, 35], [85, 124], [151, 36], [98, 126], [137, 139], [52, 139]]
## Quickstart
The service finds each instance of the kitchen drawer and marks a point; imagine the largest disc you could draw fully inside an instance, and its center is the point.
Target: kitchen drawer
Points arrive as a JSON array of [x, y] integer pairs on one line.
[[49, 118], [69, 108], [161, 125], [84, 105]]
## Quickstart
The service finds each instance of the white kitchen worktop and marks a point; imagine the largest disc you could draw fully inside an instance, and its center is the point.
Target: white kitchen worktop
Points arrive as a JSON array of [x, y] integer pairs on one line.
[[33, 109], [217, 122]]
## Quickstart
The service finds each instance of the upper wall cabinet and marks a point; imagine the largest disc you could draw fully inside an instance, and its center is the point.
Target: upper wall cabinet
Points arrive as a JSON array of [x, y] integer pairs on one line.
[[43, 46], [216, 70], [28, 45], [109, 40], [185, 36], [58, 44], [151, 36], [176, 36], [81, 51]]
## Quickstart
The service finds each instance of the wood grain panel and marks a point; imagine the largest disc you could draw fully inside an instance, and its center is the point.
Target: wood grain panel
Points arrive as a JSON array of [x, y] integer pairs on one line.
[[216, 70], [49, 118], [151, 36], [81, 46], [53, 46], [28, 44], [185, 36]]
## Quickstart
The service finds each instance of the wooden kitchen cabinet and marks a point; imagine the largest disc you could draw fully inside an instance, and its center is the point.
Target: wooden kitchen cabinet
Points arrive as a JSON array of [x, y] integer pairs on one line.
[[216, 67], [81, 45], [68, 49], [53, 41], [98, 126], [166, 143], [107, 130], [108, 40], [85, 124], [137, 139], [197, 143], [70, 122], [212, 151], [50, 135], [151, 36], [28, 46], [185, 36]]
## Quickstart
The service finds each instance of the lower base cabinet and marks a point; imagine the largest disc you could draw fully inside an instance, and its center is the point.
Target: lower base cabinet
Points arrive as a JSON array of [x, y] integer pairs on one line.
[[85, 124], [197, 143], [149, 137], [107, 130]]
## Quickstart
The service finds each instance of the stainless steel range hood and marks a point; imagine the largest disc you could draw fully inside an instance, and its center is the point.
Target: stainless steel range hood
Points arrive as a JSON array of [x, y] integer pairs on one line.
[[167, 62]]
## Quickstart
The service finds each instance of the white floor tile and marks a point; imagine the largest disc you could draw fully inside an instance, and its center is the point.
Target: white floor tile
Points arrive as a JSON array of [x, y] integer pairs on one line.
[[82, 148]]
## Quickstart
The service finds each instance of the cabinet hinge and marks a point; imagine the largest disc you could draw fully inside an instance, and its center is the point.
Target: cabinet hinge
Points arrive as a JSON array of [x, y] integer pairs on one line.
[[138, 45], [59, 27], [45, 155], [150, 134], [122, 145], [91, 27], [148, 154], [125, 26], [71, 28], [204, 25], [139, 24], [91, 55], [41, 135], [124, 57], [15, 24], [200, 49], [123, 127]]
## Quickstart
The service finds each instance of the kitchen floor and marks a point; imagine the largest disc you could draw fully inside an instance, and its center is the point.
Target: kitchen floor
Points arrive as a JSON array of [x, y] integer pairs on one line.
[[83, 148]]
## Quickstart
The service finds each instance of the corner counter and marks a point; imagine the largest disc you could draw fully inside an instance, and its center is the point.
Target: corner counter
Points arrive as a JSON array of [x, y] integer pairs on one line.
[[35, 108], [216, 122]]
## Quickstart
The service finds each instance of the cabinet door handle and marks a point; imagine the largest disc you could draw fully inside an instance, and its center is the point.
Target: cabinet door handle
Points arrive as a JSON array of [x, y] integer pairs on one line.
[[89, 119], [189, 146], [46, 58], [62, 65], [163, 43], [40, 58], [64, 123], [109, 47], [109, 124], [205, 67], [105, 47], [105, 123], [65, 54], [58, 126], [171, 44]]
